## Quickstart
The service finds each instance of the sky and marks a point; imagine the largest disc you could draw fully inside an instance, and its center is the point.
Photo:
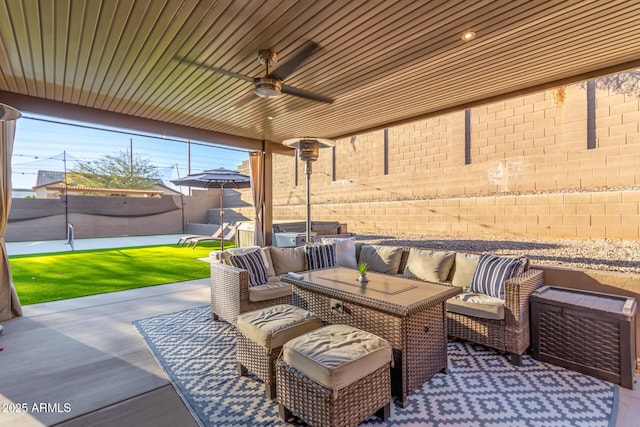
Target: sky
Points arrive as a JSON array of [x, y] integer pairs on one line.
[[42, 145]]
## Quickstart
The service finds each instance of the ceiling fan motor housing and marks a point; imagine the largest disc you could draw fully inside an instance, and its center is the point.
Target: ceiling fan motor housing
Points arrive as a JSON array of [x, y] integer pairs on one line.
[[267, 87]]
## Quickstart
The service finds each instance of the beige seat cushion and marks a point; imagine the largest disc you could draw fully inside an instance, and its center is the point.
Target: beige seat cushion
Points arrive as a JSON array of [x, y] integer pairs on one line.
[[288, 259], [271, 327], [337, 355], [477, 305], [463, 269], [270, 290], [431, 266], [383, 259]]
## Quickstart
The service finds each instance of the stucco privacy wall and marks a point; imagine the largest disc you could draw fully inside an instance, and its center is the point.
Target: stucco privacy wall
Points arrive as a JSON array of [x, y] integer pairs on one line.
[[95, 216], [530, 172]]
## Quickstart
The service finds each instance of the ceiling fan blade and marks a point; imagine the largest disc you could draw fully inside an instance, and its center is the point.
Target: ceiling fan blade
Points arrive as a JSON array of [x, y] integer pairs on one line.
[[289, 90], [242, 102], [218, 70], [285, 69]]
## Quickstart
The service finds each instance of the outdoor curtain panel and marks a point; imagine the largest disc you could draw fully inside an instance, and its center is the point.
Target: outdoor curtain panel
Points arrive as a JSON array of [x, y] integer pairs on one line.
[[9, 302], [256, 167]]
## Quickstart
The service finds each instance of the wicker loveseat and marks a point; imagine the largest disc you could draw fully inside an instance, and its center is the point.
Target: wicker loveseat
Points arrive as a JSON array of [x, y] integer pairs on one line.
[[231, 294], [499, 323]]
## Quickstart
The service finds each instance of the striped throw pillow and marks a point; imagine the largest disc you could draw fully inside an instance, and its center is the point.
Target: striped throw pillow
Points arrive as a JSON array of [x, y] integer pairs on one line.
[[321, 256], [493, 271], [253, 263]]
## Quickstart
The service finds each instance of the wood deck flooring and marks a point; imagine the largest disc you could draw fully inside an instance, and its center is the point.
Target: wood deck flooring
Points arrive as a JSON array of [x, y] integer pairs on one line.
[[86, 353]]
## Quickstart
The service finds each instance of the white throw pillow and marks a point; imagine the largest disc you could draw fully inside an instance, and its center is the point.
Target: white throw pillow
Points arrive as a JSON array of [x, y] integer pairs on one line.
[[345, 251]]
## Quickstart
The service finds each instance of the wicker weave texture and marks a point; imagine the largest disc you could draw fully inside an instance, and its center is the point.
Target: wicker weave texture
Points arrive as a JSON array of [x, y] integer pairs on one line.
[[420, 337], [518, 292], [487, 332], [316, 404], [585, 331], [258, 359], [230, 293], [378, 323], [511, 334], [583, 340], [425, 351]]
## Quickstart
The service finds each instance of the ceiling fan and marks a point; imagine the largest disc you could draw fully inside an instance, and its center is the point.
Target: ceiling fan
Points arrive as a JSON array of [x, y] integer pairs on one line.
[[271, 84]]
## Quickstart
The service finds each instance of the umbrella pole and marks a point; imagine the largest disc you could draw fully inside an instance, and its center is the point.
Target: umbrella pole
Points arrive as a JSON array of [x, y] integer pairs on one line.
[[308, 172], [221, 219]]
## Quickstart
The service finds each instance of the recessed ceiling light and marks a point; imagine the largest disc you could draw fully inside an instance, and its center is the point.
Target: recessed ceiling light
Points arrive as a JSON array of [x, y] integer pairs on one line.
[[269, 117], [468, 35]]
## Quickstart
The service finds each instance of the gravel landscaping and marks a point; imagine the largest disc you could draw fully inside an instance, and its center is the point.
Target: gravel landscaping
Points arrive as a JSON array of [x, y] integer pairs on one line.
[[606, 255]]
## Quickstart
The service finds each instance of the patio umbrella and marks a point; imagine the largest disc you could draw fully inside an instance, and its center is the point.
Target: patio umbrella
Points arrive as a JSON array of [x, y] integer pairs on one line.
[[216, 178]]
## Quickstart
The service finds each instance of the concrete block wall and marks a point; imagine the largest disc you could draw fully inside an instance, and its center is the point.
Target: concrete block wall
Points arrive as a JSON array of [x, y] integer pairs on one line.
[[530, 172], [536, 216]]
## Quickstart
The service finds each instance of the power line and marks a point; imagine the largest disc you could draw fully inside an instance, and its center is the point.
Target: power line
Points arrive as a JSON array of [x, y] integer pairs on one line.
[[122, 132]]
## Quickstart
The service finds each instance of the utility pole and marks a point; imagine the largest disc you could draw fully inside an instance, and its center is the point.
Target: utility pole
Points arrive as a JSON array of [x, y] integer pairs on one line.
[[189, 161], [66, 192]]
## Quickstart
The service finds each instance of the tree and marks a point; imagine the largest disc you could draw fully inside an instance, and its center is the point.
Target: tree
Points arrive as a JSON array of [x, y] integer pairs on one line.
[[117, 170], [627, 83]]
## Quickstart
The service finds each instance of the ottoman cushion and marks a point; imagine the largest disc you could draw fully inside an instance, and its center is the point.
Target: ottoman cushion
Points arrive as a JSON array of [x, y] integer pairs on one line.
[[273, 326], [337, 355]]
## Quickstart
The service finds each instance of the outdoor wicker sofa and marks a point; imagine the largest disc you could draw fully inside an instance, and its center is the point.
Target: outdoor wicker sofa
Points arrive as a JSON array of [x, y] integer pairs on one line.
[[499, 323]]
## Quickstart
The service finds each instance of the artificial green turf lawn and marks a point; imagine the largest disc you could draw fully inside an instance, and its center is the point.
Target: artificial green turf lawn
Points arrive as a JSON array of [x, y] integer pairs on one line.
[[62, 275]]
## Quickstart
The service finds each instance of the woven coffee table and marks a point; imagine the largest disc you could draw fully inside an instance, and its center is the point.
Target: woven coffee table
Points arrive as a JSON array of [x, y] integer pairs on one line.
[[409, 314]]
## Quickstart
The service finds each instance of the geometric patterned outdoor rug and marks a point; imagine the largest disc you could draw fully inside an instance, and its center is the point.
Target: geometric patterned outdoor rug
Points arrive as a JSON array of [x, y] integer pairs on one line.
[[481, 389]]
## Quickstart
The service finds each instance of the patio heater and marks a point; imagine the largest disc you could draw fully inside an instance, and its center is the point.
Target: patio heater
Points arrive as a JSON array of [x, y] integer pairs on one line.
[[309, 150]]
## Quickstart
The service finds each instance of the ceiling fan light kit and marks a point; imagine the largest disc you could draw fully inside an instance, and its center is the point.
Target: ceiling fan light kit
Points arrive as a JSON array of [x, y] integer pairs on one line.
[[267, 87]]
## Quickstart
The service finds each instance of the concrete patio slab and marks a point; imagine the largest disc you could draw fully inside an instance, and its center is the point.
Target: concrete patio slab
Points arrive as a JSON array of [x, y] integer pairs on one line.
[[47, 246]]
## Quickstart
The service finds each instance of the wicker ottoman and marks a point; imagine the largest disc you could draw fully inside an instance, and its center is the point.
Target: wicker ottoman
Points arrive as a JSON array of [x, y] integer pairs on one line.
[[261, 334], [334, 376]]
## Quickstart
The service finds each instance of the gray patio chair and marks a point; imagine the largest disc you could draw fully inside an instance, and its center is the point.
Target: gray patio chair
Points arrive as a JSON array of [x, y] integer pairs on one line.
[[215, 235], [230, 235]]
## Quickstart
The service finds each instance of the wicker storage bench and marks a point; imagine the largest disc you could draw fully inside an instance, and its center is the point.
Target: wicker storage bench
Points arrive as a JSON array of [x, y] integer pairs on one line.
[[588, 332]]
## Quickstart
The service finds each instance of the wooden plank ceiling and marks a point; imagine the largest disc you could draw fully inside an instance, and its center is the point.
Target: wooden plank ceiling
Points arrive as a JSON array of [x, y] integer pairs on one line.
[[382, 61]]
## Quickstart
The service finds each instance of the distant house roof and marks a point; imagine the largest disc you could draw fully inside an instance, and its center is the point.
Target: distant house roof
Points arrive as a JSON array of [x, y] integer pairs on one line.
[[62, 188], [48, 177], [158, 183]]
